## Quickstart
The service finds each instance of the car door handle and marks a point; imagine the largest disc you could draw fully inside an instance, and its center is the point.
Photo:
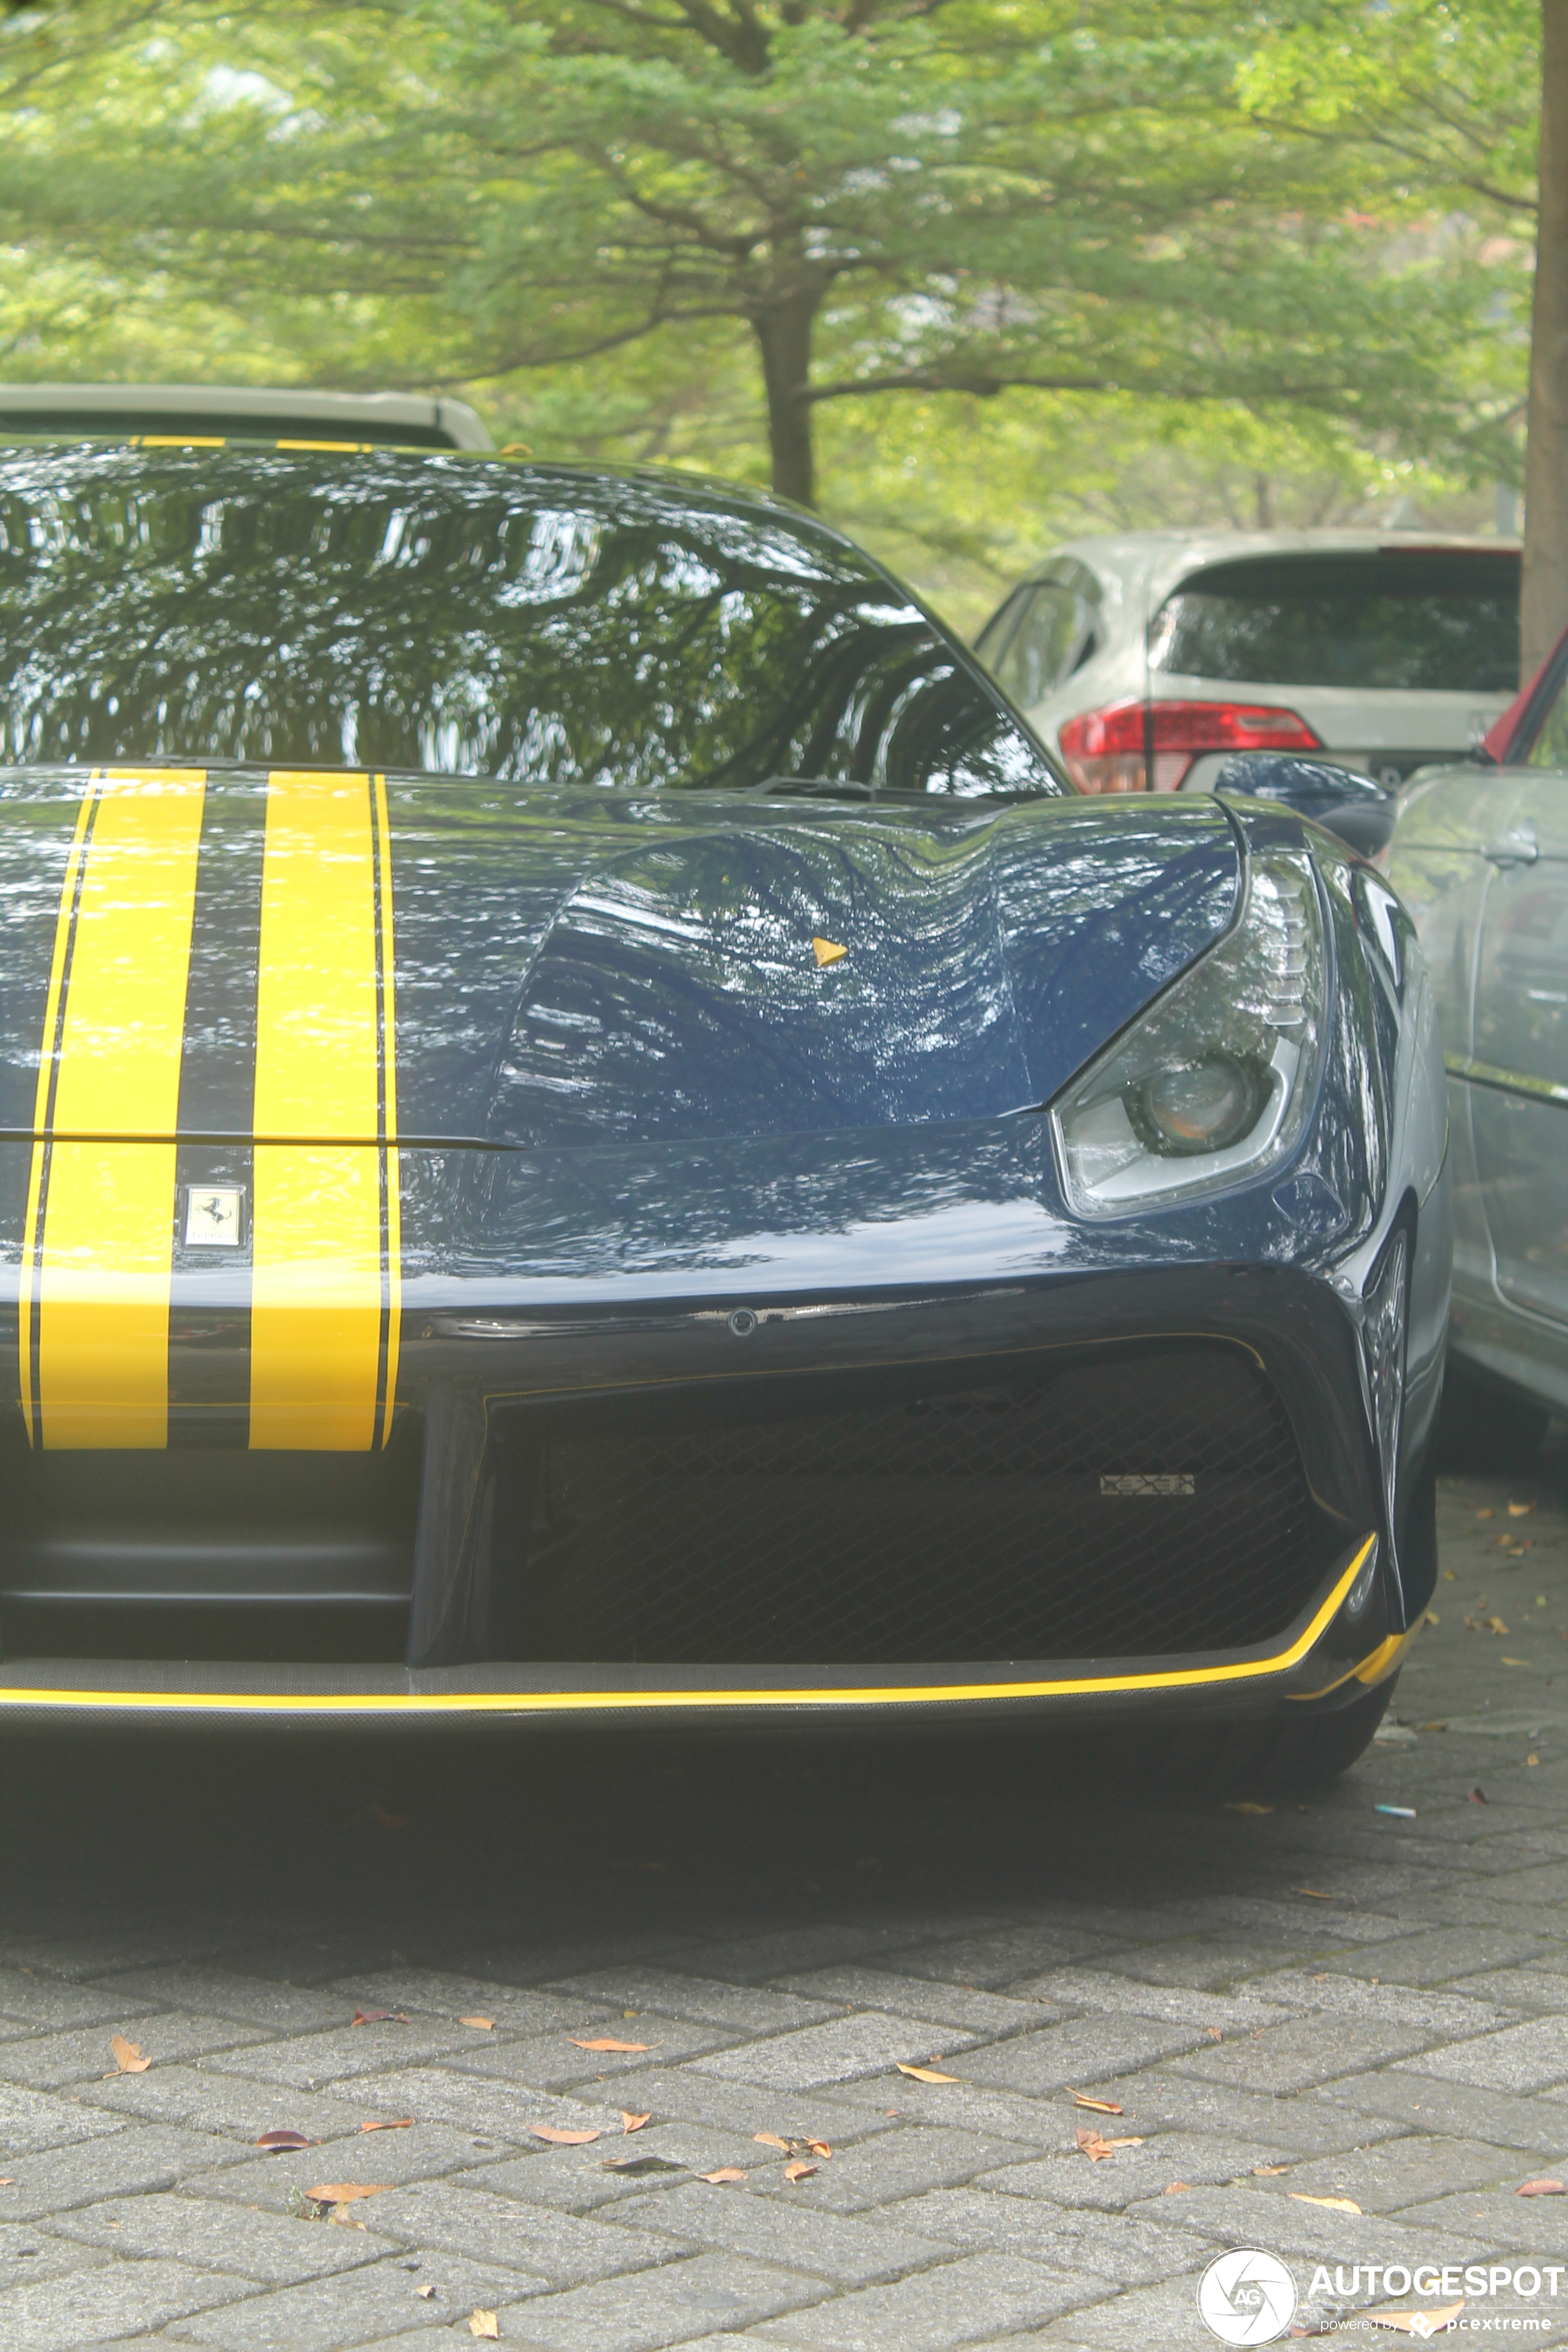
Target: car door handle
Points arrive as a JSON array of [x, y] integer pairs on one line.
[[1520, 847]]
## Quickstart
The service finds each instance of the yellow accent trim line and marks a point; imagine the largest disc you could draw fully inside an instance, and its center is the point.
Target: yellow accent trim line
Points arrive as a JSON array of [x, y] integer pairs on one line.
[[1385, 1657], [394, 1703], [107, 1210], [316, 1314]]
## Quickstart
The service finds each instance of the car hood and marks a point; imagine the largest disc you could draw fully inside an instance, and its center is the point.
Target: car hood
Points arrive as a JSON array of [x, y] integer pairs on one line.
[[333, 956]]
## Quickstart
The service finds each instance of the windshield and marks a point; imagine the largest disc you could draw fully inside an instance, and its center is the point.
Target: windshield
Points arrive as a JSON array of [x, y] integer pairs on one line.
[[548, 626], [1393, 617]]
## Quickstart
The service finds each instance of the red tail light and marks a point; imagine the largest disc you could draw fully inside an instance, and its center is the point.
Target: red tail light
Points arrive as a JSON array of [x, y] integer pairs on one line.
[[1136, 747]]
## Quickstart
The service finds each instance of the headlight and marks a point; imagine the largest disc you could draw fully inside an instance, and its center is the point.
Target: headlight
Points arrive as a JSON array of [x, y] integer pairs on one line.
[[1214, 1082]]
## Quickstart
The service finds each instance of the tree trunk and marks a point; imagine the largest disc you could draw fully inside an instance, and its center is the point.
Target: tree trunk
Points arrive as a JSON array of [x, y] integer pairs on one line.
[[783, 334], [1544, 612]]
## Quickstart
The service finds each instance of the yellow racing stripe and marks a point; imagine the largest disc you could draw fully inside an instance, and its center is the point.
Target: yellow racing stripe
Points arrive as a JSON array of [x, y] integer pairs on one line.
[[393, 1237], [112, 1041], [316, 1317]]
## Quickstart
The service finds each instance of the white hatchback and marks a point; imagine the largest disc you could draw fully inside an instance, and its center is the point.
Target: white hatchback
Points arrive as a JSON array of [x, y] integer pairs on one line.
[[1142, 661]]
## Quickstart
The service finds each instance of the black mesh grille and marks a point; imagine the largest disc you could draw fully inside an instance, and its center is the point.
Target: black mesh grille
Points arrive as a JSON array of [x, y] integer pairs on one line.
[[1122, 1509]]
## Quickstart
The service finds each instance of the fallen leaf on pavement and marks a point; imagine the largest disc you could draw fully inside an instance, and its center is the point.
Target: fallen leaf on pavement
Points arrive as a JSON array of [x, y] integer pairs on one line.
[[127, 2056], [572, 2038], [1514, 1662], [426, 2293], [277, 2139], [725, 2172], [799, 2171], [1246, 1805], [1487, 1514], [398, 2123], [819, 2147], [793, 2147], [1334, 2204], [1101, 2106], [484, 2323], [1477, 1796], [1096, 2148], [1215, 2032], [924, 2073], [379, 2016], [558, 2137], [1520, 1510], [1318, 1893], [1269, 2171], [9, 2179], [343, 2192], [1541, 2188], [1174, 2187], [637, 2164], [483, 2024], [1424, 2324], [635, 2123]]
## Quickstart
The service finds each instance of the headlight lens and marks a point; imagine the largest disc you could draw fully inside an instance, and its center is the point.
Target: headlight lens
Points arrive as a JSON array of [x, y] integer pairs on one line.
[[1213, 1084]]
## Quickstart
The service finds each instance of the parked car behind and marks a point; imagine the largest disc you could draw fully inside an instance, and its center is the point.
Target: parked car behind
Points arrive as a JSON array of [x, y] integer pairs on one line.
[[1145, 660], [1480, 855]]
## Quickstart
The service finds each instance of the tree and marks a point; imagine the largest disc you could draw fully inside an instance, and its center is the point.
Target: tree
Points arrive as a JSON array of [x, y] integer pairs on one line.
[[884, 198]]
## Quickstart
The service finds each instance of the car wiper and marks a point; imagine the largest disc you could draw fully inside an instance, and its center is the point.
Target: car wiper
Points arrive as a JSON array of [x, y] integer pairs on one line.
[[809, 788]]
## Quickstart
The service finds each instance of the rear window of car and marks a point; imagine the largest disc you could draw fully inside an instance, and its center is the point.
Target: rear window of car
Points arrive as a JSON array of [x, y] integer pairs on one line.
[[541, 624], [1390, 618]]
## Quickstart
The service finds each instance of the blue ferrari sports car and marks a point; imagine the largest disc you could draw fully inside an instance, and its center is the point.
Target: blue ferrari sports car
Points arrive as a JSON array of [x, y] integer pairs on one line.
[[589, 1129]]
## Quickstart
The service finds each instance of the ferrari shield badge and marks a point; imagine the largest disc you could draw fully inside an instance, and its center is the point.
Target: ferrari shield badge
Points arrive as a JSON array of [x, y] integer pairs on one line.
[[213, 1216]]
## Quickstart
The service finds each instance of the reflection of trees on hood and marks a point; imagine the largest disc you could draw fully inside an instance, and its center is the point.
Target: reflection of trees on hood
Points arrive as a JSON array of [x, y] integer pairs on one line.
[[544, 627]]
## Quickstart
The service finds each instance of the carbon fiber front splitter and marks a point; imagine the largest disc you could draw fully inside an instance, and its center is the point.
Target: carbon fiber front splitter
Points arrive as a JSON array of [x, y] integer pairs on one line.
[[1324, 1661]]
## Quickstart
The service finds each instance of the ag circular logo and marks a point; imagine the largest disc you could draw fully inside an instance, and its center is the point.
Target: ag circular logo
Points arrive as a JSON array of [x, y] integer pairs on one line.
[[1247, 2298]]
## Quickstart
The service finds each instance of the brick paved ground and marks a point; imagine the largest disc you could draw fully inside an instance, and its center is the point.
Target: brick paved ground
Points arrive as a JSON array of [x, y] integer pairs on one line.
[[1316, 2002]]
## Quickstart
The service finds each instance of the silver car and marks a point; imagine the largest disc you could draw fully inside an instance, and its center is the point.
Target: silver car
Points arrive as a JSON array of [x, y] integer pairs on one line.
[[1143, 661], [1480, 855]]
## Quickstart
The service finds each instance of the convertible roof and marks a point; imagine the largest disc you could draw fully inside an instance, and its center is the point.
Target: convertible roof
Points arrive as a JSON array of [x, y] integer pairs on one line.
[[239, 413]]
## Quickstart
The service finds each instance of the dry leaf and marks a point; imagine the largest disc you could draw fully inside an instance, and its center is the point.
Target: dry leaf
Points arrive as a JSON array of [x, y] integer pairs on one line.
[[1269, 2171], [725, 2172], [1215, 2032], [772, 2139], [278, 2139], [1477, 1796], [1101, 2106], [799, 2171], [819, 2147], [343, 2192], [1520, 1510], [925, 2073], [1318, 1893], [127, 2056], [1334, 2204], [484, 2323], [1424, 2324], [559, 2138], [399, 2122], [635, 2123], [9, 2179], [572, 2038], [1541, 2188], [640, 2163], [482, 2024], [1174, 2187], [827, 951], [1486, 1514], [378, 2017], [1247, 1806], [426, 2293], [1096, 2148]]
